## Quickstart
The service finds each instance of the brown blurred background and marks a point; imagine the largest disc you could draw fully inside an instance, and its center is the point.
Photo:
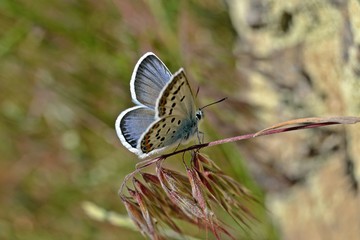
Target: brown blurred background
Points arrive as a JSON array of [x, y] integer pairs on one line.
[[65, 68]]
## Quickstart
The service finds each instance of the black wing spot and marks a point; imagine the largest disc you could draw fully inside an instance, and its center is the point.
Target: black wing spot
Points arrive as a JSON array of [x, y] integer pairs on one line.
[[179, 122], [162, 139], [182, 99], [168, 131], [178, 89], [173, 98], [173, 105], [172, 120], [164, 125]]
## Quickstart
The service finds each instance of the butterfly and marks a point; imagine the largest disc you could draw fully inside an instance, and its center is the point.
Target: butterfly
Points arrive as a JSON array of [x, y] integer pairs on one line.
[[165, 113]]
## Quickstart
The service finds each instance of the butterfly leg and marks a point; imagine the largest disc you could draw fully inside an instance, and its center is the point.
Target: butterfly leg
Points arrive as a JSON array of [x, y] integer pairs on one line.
[[200, 136], [183, 159], [177, 146]]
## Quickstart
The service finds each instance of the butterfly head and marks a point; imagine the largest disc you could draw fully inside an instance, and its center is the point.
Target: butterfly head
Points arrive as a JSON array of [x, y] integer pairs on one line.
[[199, 115]]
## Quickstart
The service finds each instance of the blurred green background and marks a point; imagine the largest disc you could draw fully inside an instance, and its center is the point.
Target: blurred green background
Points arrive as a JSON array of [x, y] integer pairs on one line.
[[65, 68]]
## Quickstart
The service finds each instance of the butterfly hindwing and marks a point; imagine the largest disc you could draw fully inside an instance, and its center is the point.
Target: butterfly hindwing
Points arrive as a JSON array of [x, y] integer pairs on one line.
[[131, 125], [148, 79], [164, 132], [176, 98]]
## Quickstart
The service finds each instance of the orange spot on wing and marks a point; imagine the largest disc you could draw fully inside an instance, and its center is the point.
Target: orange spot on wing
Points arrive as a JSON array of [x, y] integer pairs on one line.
[[146, 143]]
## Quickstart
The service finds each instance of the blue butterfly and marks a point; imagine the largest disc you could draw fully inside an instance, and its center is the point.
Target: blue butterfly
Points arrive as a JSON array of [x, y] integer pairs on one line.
[[165, 113]]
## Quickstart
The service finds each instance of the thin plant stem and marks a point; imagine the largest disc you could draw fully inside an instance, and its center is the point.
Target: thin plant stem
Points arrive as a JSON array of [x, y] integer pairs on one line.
[[149, 162]]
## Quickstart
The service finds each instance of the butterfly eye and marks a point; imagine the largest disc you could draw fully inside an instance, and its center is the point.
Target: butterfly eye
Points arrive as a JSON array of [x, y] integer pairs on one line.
[[199, 115]]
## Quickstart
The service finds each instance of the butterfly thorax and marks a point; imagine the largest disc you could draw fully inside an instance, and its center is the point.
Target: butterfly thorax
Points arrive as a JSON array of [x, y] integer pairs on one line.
[[190, 127]]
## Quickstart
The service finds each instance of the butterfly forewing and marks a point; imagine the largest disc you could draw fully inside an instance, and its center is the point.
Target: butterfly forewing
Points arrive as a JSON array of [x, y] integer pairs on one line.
[[176, 98], [149, 78]]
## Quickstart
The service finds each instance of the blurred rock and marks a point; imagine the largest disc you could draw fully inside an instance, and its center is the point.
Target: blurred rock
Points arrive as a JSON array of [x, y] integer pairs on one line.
[[301, 59]]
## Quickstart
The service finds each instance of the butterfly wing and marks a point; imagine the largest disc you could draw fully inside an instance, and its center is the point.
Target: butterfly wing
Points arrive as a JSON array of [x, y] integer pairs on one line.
[[176, 113], [176, 98], [149, 77], [163, 133], [131, 125]]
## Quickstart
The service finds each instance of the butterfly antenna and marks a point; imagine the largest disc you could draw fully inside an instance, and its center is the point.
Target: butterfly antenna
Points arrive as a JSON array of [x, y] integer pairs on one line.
[[197, 91], [218, 101]]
